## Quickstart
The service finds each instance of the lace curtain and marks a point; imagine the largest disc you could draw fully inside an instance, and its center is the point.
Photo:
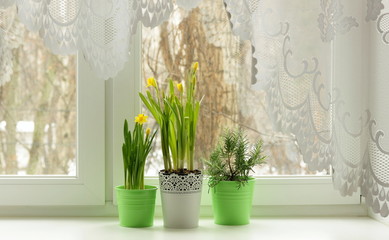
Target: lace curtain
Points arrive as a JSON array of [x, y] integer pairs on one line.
[[323, 64]]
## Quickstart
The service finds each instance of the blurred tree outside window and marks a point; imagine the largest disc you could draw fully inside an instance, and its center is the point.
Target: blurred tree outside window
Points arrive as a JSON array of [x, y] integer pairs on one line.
[[38, 113], [204, 35], [37, 108]]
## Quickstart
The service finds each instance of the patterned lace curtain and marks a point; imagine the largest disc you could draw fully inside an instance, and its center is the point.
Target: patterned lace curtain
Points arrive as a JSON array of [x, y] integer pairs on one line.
[[100, 30], [323, 65]]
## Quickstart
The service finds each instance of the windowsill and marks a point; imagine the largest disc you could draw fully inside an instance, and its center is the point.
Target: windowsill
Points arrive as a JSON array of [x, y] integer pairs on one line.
[[109, 210], [260, 228]]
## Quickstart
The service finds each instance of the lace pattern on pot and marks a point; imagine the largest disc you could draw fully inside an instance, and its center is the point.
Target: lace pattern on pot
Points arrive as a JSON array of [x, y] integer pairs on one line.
[[182, 184]]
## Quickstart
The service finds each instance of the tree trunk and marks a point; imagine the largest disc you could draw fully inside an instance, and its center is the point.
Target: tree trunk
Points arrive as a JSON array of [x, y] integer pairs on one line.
[[10, 117], [40, 121]]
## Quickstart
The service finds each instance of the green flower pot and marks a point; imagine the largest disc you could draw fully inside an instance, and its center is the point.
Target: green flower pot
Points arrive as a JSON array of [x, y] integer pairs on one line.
[[232, 206], [136, 207]]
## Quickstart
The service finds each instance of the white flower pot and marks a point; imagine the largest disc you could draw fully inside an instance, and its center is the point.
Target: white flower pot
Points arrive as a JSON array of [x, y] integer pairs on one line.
[[181, 198]]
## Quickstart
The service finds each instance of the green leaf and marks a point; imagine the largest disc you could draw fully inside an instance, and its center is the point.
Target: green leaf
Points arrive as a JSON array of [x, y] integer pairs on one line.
[[233, 159], [125, 129], [171, 87], [151, 106]]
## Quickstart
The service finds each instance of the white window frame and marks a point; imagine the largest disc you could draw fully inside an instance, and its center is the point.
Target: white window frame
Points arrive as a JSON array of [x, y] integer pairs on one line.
[[100, 168], [270, 190], [87, 187]]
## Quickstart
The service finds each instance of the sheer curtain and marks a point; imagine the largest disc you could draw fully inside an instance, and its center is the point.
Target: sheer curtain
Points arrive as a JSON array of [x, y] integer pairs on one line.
[[324, 65]]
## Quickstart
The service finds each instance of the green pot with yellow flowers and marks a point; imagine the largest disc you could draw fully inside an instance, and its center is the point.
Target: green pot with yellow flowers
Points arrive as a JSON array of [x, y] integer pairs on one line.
[[136, 201], [176, 110]]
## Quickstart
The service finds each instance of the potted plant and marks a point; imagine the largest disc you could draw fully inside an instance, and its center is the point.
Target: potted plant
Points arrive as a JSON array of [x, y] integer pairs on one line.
[[176, 112], [136, 201], [231, 186]]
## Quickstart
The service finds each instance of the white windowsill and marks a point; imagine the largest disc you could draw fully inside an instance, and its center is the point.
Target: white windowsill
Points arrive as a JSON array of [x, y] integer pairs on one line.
[[260, 228], [110, 210]]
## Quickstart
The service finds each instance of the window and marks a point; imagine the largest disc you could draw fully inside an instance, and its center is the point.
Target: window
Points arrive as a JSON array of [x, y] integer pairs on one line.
[[51, 127], [205, 35], [38, 111], [92, 158]]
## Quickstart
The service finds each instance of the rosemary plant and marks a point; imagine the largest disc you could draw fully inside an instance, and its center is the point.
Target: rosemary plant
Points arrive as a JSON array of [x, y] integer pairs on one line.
[[176, 112], [233, 159], [136, 147]]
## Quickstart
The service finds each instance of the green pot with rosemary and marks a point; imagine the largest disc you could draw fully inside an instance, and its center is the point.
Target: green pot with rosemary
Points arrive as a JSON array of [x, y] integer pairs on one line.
[[231, 186], [136, 201], [176, 110]]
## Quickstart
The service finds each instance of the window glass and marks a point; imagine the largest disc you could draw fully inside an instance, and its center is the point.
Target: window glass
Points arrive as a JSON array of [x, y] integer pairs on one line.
[[37, 105], [204, 35]]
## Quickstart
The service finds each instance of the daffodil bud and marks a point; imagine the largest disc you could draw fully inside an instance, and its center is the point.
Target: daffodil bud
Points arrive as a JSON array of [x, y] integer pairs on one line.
[[151, 82], [180, 87], [195, 66]]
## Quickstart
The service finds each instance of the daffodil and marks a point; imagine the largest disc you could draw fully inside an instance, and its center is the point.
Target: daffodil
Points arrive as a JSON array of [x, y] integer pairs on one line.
[[195, 66], [141, 118], [135, 149], [180, 87], [151, 82]]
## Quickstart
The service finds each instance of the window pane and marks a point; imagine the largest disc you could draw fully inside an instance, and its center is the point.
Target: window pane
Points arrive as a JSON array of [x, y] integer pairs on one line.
[[37, 106], [204, 35]]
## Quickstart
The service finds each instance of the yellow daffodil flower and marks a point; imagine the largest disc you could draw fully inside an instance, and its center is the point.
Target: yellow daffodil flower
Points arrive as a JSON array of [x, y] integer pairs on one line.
[[148, 130], [180, 87], [151, 82], [195, 66], [141, 118]]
